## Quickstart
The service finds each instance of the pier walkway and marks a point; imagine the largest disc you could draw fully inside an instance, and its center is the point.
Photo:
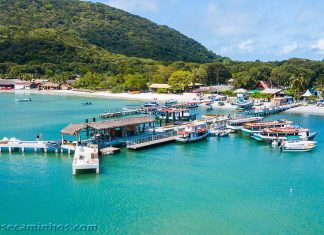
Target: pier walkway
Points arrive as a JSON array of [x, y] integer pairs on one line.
[[155, 139]]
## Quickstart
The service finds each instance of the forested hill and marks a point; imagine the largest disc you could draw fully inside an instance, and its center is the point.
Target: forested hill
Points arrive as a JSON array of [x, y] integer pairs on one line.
[[103, 26]]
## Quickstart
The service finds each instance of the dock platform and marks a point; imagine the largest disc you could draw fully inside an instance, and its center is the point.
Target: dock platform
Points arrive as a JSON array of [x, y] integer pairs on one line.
[[152, 140]]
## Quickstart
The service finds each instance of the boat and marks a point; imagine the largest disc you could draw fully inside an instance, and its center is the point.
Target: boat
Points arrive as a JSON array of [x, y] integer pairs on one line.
[[24, 100], [191, 105], [219, 132], [237, 124], [297, 146], [244, 105], [192, 132], [174, 114], [221, 103], [86, 103], [284, 133], [150, 106], [85, 158], [258, 103], [170, 102], [257, 127]]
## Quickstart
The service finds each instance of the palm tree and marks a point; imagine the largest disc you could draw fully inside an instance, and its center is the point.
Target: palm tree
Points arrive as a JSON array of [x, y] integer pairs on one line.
[[297, 84]]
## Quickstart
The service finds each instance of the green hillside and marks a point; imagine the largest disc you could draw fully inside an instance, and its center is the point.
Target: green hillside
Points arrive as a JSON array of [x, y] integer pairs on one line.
[[106, 27]]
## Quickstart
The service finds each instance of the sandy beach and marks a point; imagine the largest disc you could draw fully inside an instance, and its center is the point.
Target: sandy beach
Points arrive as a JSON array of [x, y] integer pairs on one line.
[[186, 97]]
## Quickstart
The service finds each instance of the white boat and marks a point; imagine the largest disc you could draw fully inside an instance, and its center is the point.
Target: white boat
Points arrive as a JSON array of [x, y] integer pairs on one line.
[[220, 132], [192, 132], [24, 100], [170, 102], [284, 133], [85, 158], [297, 146]]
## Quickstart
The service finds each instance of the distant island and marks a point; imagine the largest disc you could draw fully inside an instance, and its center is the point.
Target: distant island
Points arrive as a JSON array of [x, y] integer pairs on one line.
[[110, 49]]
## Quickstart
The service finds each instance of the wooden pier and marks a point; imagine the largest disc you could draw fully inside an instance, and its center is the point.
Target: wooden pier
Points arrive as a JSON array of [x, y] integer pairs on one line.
[[35, 146], [152, 140]]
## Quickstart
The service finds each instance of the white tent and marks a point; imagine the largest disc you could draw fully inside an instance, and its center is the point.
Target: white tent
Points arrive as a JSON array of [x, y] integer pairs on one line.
[[307, 94], [240, 91]]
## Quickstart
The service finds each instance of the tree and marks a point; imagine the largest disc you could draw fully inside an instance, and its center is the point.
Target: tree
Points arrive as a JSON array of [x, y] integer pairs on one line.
[[198, 75], [135, 82], [297, 84], [217, 73], [180, 80], [244, 80]]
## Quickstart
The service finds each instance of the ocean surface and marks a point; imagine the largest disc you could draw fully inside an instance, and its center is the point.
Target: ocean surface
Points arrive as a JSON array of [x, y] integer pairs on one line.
[[232, 185]]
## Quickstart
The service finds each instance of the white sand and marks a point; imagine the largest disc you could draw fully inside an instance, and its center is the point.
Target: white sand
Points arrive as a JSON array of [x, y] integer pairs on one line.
[[310, 109]]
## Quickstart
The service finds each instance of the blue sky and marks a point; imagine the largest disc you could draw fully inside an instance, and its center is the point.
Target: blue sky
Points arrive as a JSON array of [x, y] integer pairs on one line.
[[241, 29]]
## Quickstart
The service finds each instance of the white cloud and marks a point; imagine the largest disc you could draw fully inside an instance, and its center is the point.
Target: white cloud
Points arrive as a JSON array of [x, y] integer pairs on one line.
[[135, 5], [246, 46], [319, 45], [289, 48]]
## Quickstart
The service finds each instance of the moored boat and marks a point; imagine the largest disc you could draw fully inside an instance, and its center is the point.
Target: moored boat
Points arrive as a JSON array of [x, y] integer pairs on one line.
[[170, 102], [174, 114], [192, 132], [297, 146], [24, 100], [237, 124], [191, 105], [284, 133], [219, 132], [254, 128]]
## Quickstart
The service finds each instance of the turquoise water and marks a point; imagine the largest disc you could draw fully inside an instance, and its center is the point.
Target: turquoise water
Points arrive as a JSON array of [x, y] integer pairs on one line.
[[219, 186]]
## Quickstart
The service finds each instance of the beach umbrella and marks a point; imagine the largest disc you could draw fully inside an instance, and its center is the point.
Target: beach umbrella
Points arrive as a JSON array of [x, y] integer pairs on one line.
[[307, 94]]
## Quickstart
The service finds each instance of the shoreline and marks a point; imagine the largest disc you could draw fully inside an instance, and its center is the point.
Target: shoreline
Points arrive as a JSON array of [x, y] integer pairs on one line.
[[186, 97]]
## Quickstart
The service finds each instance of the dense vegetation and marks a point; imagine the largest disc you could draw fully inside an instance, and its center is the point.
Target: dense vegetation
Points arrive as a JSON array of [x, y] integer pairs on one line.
[[111, 49]]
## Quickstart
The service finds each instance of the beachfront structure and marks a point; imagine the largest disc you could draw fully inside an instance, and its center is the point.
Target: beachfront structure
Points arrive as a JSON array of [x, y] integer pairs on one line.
[[274, 92], [278, 101], [156, 86], [214, 89], [262, 85], [111, 131], [50, 86], [7, 84]]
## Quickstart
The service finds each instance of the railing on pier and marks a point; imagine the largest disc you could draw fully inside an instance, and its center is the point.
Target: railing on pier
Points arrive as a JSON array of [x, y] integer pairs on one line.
[[156, 138]]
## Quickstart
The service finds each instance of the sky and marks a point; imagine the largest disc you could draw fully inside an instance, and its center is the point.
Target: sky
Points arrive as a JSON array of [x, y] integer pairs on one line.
[[246, 30]]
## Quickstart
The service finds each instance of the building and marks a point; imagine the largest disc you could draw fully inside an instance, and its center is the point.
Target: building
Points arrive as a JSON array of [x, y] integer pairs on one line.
[[156, 86], [278, 101], [111, 131], [262, 85], [7, 84], [273, 92], [49, 86]]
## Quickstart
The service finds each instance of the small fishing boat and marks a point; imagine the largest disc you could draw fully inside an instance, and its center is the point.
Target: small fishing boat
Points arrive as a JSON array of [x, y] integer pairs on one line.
[[24, 100], [191, 105], [221, 103], [170, 102], [219, 132], [150, 106], [297, 146], [258, 103], [237, 124], [86, 103], [244, 105], [192, 132], [284, 133], [254, 128]]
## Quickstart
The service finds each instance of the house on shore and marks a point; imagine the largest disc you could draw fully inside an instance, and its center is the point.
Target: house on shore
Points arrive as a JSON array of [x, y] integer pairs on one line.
[[49, 86], [155, 87], [7, 84]]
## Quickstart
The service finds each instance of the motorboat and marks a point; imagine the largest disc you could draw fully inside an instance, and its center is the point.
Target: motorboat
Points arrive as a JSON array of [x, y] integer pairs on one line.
[[284, 133], [297, 146], [24, 100], [86, 103], [170, 102], [219, 132], [191, 105], [85, 157], [192, 132], [150, 106]]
